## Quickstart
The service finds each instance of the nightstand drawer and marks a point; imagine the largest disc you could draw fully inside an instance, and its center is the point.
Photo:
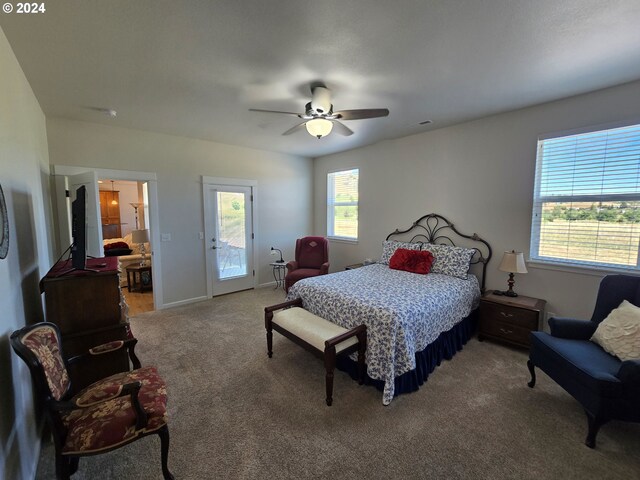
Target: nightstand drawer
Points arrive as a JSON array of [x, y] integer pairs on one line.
[[511, 315], [507, 331]]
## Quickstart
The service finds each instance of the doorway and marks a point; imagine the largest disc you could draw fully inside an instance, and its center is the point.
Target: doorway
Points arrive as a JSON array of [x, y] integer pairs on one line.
[[125, 233], [229, 206], [147, 213]]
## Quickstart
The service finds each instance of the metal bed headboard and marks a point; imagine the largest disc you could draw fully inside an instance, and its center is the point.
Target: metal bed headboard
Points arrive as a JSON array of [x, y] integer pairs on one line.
[[433, 228]]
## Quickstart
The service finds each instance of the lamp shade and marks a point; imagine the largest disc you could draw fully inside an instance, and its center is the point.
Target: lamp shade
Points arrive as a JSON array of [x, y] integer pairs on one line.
[[319, 127], [140, 236], [513, 262]]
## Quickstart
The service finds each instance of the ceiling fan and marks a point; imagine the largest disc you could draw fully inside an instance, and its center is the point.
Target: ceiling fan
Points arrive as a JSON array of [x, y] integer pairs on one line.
[[319, 117]]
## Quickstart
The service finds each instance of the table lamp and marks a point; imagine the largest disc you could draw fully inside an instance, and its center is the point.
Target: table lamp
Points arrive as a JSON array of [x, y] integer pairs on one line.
[[512, 262], [141, 237], [273, 252]]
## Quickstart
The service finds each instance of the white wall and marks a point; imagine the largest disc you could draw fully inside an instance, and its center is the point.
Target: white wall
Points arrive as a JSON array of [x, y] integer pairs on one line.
[[24, 177], [480, 176], [284, 191]]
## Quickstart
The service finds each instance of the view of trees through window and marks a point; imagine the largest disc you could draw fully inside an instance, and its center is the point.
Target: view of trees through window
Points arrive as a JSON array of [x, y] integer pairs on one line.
[[342, 204], [231, 249], [606, 232]]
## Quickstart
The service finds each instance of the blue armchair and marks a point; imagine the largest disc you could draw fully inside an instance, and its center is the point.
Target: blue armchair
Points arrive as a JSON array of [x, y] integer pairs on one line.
[[606, 387]]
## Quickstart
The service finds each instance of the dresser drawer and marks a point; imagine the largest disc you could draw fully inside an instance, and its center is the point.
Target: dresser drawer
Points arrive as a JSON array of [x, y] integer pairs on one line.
[[507, 331], [511, 315]]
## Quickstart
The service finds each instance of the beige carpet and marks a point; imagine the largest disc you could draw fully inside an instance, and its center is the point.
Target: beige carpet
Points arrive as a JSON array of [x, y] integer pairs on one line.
[[235, 414]]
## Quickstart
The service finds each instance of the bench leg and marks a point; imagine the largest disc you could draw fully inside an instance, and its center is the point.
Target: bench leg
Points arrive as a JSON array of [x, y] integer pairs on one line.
[[268, 318], [362, 347], [330, 366]]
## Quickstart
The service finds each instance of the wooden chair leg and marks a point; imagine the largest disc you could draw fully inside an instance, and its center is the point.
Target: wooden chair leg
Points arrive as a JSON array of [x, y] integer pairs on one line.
[[532, 382], [594, 423], [330, 366], [62, 467], [164, 452], [73, 465]]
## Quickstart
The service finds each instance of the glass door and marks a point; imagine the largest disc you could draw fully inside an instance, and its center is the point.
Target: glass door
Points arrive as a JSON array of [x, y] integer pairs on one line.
[[230, 242]]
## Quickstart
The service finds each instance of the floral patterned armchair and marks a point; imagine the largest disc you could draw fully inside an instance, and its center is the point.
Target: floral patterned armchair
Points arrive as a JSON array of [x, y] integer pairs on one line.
[[107, 414]]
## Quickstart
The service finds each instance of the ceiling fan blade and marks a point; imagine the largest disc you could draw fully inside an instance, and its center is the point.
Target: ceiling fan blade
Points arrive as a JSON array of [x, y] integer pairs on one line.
[[294, 129], [274, 111], [361, 114], [341, 128]]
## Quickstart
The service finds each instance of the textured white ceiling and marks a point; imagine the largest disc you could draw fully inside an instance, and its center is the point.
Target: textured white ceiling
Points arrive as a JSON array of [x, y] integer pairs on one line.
[[195, 67]]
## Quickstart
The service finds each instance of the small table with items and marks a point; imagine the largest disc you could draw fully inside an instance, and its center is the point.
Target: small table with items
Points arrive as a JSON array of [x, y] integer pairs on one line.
[[510, 319], [354, 266], [137, 281], [279, 272]]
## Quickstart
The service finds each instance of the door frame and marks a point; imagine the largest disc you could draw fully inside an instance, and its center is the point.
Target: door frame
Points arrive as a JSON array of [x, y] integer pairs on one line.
[[59, 172], [207, 182]]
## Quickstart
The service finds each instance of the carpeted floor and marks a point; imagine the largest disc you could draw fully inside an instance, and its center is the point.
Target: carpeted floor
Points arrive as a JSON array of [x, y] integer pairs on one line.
[[235, 414]]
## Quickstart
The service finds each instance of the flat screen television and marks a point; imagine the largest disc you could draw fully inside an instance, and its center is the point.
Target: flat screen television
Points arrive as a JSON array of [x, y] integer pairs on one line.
[[79, 230]]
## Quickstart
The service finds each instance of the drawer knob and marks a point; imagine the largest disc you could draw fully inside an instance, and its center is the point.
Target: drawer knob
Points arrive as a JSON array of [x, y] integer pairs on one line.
[[503, 330], [506, 315]]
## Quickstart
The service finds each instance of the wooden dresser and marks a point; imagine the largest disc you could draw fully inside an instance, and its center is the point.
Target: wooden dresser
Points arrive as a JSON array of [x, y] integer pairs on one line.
[[90, 310], [510, 319]]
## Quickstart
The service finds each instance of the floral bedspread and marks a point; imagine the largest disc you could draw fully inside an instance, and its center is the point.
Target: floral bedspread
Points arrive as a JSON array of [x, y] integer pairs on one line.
[[404, 312]]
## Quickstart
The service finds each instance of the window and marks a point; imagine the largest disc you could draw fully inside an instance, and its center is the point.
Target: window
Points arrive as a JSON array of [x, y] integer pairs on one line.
[[342, 204], [586, 204]]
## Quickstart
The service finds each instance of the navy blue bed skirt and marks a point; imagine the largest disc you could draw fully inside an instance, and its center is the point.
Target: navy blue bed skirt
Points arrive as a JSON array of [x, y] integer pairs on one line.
[[442, 348]]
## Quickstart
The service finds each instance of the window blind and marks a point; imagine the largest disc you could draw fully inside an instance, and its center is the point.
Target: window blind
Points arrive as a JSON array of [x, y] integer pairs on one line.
[[586, 205], [342, 204]]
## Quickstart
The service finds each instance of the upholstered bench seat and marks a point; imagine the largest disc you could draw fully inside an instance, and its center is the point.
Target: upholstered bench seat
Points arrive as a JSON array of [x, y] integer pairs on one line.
[[312, 329], [321, 337]]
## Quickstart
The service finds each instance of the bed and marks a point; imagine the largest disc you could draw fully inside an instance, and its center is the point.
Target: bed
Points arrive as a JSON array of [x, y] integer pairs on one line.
[[413, 321]]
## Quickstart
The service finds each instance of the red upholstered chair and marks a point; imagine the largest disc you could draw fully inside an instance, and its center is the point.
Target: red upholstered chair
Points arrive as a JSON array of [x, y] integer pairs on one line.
[[312, 259], [107, 414]]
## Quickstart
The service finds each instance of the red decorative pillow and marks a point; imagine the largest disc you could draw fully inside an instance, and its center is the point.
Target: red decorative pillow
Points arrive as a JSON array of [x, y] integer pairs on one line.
[[414, 261], [109, 246]]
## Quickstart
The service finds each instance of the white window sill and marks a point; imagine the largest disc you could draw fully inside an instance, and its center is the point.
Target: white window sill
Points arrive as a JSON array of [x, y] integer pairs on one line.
[[580, 269], [343, 240]]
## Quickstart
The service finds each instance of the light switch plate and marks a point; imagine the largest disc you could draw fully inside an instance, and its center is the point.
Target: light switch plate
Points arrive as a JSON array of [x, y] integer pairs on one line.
[[165, 237]]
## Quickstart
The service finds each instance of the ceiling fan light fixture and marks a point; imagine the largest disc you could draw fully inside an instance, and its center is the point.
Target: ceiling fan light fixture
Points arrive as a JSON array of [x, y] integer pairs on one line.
[[319, 127], [321, 100]]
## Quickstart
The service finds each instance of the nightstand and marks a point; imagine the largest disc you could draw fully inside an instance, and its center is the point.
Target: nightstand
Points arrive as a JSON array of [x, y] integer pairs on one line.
[[354, 266], [279, 272], [510, 319]]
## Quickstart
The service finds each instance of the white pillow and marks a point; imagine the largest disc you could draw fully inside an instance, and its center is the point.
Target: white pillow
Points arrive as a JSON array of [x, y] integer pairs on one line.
[[619, 333], [450, 260]]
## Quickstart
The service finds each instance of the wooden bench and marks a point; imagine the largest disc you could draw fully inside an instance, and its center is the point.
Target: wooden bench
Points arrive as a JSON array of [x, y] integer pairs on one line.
[[321, 337]]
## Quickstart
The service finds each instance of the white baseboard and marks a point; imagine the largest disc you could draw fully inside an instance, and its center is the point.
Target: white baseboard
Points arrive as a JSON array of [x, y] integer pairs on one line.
[[180, 303], [269, 285]]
